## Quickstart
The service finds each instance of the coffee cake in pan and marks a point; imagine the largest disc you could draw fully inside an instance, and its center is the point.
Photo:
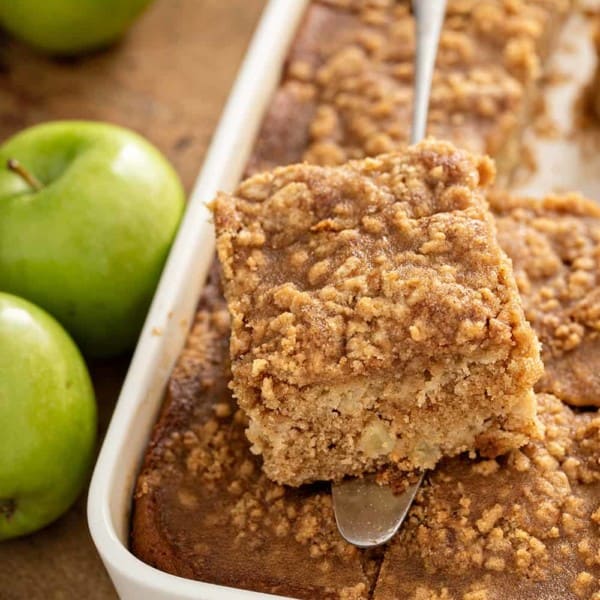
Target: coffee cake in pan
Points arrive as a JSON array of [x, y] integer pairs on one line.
[[524, 525]]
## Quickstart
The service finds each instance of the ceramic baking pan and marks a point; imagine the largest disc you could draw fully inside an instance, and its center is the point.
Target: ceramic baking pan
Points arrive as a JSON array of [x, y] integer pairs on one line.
[[171, 313]]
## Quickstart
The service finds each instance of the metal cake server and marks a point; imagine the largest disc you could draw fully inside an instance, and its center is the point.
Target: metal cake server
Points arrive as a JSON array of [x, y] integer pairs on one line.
[[368, 514]]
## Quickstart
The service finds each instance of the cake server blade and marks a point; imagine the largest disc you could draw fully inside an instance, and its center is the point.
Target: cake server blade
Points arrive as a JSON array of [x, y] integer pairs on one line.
[[368, 514]]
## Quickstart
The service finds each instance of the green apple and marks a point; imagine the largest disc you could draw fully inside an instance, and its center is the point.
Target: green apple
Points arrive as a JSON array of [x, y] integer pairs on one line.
[[47, 418], [67, 27], [88, 212]]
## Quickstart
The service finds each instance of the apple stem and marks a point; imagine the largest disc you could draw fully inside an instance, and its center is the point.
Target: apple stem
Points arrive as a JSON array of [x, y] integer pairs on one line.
[[30, 179], [7, 508]]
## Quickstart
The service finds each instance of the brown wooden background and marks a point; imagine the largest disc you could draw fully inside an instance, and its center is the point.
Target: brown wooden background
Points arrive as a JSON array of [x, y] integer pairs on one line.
[[168, 80]]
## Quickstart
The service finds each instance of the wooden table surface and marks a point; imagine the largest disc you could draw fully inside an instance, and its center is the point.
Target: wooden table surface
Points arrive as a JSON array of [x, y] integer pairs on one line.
[[168, 80]]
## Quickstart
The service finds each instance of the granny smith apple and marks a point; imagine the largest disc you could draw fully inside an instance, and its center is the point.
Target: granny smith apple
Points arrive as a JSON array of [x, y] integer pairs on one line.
[[47, 418], [88, 212], [67, 27]]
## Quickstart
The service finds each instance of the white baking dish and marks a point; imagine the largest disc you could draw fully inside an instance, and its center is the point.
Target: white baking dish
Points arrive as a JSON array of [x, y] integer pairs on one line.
[[560, 165], [171, 313]]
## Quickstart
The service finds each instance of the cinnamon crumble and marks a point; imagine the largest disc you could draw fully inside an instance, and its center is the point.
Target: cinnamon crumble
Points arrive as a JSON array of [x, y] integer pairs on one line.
[[347, 88], [522, 526], [554, 244]]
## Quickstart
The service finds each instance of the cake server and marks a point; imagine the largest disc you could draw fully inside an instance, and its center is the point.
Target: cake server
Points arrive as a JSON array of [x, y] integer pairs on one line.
[[368, 514]]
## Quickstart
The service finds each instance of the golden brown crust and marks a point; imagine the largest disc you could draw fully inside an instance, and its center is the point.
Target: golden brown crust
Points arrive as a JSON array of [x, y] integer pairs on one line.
[[303, 242], [554, 244], [375, 318]]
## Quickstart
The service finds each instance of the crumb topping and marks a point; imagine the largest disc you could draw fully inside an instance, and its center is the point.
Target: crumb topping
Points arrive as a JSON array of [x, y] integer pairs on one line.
[[554, 244], [389, 270], [338, 272], [351, 94], [527, 521]]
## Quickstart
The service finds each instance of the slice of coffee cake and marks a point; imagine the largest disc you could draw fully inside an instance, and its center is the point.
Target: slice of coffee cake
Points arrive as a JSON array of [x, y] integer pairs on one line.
[[375, 319]]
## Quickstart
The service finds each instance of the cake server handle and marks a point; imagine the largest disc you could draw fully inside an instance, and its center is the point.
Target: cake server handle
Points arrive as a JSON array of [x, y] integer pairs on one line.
[[429, 18], [368, 514]]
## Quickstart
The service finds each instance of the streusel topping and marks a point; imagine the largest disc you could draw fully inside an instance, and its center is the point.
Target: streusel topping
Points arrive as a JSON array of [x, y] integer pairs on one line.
[[365, 265], [365, 298], [555, 247], [530, 521], [349, 95]]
